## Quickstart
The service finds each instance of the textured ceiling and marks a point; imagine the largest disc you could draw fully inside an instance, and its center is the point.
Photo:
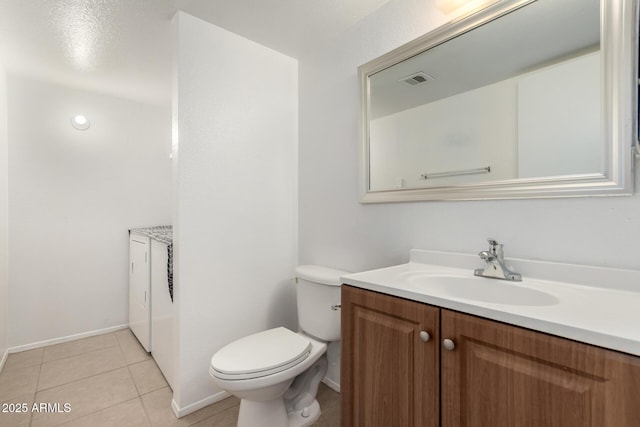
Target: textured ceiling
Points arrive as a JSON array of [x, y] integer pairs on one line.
[[123, 47]]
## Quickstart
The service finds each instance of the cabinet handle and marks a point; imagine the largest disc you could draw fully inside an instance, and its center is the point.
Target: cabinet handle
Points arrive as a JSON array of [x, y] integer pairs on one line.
[[424, 336], [448, 344]]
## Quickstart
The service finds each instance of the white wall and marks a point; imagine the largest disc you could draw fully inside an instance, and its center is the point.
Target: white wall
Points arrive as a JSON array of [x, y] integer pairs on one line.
[[337, 231], [72, 197], [235, 220], [4, 225]]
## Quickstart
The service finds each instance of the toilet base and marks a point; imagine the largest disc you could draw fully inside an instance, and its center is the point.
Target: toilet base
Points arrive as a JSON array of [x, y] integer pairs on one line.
[[272, 413], [296, 419]]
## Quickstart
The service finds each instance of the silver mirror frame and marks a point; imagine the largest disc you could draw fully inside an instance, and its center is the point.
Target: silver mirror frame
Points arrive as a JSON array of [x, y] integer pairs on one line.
[[619, 46]]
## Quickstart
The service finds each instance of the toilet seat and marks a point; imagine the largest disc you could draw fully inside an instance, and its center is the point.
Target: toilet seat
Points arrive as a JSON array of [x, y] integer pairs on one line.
[[261, 354]]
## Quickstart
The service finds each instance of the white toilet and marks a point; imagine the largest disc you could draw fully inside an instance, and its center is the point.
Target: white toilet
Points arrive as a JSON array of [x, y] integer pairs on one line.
[[277, 372]]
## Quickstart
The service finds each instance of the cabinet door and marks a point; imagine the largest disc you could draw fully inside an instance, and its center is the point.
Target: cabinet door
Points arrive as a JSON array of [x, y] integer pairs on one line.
[[139, 289], [389, 375], [500, 375]]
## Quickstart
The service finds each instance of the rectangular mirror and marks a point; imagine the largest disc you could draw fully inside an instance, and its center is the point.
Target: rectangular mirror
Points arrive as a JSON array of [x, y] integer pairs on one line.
[[522, 99]]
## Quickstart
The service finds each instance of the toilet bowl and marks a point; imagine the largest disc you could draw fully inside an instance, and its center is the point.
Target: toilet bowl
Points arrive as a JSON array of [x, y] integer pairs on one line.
[[277, 372], [262, 389]]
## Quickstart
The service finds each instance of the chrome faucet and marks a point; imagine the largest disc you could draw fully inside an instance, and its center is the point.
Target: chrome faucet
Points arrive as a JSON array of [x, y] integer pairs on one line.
[[494, 264]]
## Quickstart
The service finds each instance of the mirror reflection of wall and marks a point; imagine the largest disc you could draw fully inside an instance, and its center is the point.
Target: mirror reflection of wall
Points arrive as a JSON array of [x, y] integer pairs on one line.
[[559, 119], [472, 130], [544, 123], [517, 98]]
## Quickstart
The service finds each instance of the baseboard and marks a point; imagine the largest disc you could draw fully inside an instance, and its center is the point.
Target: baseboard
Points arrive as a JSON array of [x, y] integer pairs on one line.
[[68, 338], [4, 360], [331, 384], [181, 412]]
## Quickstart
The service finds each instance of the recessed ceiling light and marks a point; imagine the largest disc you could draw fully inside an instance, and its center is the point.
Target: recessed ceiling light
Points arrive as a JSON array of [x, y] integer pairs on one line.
[[80, 122]]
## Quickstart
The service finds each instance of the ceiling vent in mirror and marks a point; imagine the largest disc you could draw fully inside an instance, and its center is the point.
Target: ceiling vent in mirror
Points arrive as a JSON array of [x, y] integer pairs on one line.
[[417, 78]]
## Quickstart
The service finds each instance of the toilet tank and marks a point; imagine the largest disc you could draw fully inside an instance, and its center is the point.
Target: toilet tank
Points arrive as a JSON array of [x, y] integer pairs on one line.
[[318, 295]]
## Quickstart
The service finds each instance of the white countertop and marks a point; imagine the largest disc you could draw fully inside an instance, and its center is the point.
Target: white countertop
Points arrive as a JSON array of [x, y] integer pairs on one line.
[[594, 305]]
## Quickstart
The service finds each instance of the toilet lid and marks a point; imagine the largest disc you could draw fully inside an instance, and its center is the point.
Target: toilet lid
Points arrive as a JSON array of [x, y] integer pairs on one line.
[[260, 354]]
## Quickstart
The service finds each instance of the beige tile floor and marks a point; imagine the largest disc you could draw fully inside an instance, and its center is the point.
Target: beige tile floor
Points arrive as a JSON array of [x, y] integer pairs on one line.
[[108, 380]]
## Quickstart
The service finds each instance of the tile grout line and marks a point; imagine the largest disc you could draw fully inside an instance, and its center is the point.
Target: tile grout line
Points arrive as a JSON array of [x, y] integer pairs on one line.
[[144, 408], [35, 392], [96, 411], [31, 413], [215, 414], [79, 379], [40, 365], [128, 365], [139, 395], [82, 352], [79, 354]]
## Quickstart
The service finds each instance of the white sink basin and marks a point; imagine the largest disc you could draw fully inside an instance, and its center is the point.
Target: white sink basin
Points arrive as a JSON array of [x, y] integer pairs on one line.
[[596, 305], [483, 289]]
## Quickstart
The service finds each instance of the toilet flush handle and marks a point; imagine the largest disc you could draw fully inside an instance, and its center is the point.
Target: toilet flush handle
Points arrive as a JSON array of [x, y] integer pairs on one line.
[[336, 307]]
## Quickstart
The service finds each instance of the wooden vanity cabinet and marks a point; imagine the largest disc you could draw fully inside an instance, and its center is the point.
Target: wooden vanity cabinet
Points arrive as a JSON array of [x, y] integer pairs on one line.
[[389, 374], [496, 375]]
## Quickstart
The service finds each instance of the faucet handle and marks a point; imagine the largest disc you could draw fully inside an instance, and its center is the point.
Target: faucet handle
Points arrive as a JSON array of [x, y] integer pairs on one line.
[[493, 244], [495, 248]]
